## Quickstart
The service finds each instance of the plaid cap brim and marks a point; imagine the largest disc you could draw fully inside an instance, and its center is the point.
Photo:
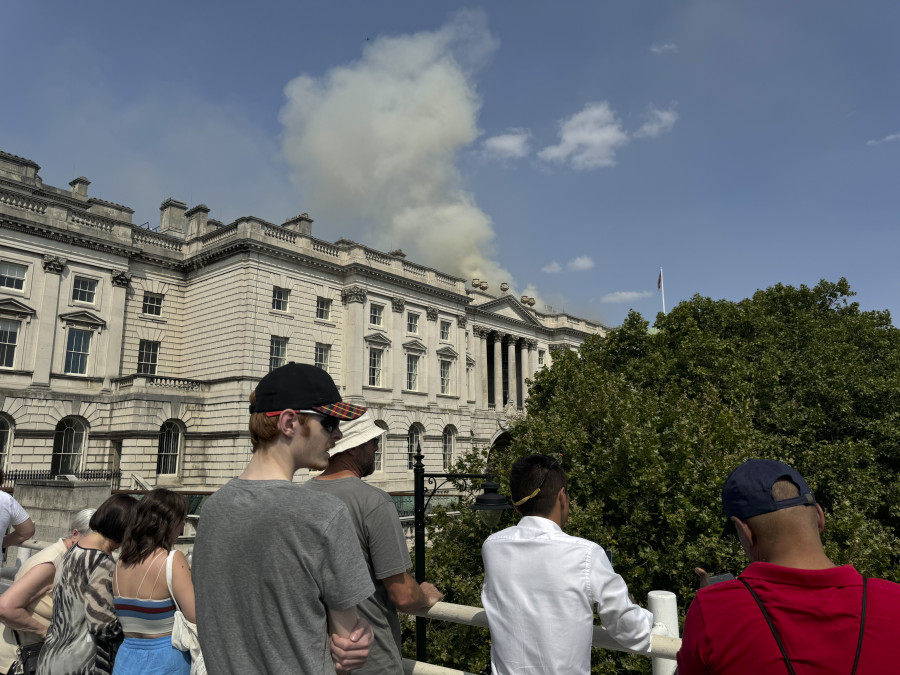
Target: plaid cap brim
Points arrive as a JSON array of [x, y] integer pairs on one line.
[[341, 410]]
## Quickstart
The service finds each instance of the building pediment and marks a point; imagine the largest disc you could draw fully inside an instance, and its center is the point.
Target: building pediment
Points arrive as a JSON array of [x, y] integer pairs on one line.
[[470, 362], [378, 339], [82, 318], [507, 306], [447, 352], [12, 307], [415, 346]]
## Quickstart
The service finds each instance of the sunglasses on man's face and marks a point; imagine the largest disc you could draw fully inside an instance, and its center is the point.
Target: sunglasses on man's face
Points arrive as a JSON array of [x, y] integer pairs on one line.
[[329, 423]]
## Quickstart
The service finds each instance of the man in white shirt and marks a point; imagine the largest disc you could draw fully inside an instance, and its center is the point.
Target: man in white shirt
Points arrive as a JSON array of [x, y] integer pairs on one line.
[[541, 585]]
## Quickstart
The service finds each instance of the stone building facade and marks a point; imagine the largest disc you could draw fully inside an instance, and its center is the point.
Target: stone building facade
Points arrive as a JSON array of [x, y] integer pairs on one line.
[[131, 349]]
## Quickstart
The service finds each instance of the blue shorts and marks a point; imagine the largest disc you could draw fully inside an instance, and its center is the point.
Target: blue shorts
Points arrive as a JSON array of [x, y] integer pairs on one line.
[[156, 656]]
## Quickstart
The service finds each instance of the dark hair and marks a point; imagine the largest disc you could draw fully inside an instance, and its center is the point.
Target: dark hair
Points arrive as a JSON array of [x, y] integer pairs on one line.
[[527, 474], [153, 525], [113, 516]]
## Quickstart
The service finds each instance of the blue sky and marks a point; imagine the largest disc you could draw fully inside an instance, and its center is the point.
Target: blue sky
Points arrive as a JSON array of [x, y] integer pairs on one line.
[[569, 148]]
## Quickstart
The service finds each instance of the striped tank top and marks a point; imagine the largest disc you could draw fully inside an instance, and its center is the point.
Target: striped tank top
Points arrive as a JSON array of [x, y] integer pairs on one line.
[[147, 616]]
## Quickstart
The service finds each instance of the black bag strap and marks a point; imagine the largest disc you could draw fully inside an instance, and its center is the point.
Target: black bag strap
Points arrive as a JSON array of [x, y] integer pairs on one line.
[[862, 630], [775, 634]]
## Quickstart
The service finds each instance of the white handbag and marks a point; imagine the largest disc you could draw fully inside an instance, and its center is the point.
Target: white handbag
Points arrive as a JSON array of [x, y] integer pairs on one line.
[[184, 633]]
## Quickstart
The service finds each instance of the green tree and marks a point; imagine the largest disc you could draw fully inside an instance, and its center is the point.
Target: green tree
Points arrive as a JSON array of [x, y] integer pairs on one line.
[[650, 423]]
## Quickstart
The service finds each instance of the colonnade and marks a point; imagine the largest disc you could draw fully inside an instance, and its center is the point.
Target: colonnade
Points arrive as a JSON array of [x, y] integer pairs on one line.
[[504, 361]]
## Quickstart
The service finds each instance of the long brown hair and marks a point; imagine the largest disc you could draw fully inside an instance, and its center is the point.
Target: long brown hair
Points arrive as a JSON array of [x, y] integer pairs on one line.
[[153, 525]]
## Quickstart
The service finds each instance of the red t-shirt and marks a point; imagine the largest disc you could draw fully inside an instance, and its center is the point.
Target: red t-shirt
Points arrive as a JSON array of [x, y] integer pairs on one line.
[[816, 612]]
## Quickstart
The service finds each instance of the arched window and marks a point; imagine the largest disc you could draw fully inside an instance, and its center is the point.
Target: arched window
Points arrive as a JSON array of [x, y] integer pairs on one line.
[[170, 435], [379, 454], [69, 443], [413, 441], [6, 429], [447, 446]]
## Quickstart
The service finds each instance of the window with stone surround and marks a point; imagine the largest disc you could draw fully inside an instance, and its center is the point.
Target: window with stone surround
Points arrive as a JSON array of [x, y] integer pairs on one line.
[[376, 314], [78, 348], [376, 356], [9, 338], [445, 330], [12, 275], [84, 290], [540, 357], [322, 354], [323, 309], [446, 370], [412, 372], [280, 298], [277, 351], [152, 304], [6, 433], [169, 448], [69, 442], [148, 357], [447, 447], [412, 323]]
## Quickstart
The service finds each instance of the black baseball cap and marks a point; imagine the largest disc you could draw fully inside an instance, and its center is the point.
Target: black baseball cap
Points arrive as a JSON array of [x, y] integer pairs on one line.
[[301, 386], [748, 490]]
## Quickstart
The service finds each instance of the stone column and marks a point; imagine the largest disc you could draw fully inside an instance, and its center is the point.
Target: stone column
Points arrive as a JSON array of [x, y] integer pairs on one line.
[[479, 334], [354, 300], [462, 368], [116, 327], [431, 377], [528, 357], [498, 370], [47, 324], [511, 369], [398, 358]]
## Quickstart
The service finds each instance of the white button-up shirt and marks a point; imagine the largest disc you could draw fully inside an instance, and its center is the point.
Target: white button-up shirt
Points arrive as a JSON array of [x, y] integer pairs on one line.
[[540, 587]]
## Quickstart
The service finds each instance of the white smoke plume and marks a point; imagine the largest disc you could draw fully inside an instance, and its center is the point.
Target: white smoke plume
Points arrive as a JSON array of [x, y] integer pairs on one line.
[[373, 146]]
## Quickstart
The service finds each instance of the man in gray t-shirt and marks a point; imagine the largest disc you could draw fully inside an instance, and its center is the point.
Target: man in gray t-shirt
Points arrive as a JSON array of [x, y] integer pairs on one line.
[[381, 538], [277, 567]]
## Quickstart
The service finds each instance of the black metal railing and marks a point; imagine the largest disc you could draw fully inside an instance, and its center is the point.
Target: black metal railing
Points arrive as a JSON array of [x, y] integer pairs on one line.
[[10, 478]]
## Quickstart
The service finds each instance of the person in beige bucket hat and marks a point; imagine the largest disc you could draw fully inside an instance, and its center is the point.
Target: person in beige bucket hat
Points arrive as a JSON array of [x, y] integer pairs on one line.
[[381, 538]]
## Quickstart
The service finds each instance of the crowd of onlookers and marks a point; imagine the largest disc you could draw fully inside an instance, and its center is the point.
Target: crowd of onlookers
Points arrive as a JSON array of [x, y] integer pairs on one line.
[[309, 578]]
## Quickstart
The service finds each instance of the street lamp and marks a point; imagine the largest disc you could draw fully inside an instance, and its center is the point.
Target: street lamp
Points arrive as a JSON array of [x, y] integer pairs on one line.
[[490, 504]]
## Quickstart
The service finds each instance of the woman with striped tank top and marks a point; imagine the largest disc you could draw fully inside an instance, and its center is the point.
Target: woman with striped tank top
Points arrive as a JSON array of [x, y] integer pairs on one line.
[[142, 601]]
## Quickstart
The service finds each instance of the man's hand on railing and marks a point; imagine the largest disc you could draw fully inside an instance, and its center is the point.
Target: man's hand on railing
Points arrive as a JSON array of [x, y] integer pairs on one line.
[[350, 653], [431, 592]]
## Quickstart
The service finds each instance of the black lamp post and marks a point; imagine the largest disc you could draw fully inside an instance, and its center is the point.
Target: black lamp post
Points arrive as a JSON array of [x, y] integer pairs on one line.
[[489, 505]]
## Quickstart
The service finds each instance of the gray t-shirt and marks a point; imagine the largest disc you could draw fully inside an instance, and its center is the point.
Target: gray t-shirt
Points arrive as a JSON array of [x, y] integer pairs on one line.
[[384, 548], [270, 556]]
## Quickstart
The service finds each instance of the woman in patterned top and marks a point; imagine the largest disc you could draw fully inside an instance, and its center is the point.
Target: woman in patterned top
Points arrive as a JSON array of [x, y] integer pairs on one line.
[[85, 632]]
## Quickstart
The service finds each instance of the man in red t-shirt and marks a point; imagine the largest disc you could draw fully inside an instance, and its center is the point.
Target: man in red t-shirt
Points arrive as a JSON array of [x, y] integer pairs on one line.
[[792, 609]]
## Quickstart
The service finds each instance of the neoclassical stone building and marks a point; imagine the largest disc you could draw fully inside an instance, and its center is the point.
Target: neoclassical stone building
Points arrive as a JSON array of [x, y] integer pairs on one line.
[[124, 348]]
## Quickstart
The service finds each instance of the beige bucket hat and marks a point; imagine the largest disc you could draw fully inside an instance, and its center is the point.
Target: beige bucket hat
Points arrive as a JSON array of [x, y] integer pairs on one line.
[[356, 432]]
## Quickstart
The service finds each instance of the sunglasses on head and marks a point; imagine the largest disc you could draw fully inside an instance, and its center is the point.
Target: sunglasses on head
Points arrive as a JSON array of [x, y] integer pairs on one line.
[[557, 459], [328, 422]]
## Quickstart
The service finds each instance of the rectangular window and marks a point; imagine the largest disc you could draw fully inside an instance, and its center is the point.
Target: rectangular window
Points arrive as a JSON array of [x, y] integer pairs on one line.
[[412, 323], [446, 367], [412, 372], [77, 349], [12, 275], [323, 309], [152, 304], [148, 357], [83, 290], [9, 336], [277, 351], [322, 354], [376, 314], [375, 356], [467, 339], [540, 357], [280, 298], [445, 330]]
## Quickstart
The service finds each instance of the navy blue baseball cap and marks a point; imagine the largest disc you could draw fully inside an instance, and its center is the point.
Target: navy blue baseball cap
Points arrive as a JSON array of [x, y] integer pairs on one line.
[[748, 490]]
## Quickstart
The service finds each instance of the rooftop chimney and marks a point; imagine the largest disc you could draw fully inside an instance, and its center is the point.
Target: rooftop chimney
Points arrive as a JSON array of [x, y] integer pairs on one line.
[[79, 187], [197, 219], [302, 224], [171, 217]]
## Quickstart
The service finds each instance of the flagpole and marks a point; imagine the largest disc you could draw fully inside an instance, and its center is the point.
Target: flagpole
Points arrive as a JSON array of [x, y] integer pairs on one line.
[[662, 289]]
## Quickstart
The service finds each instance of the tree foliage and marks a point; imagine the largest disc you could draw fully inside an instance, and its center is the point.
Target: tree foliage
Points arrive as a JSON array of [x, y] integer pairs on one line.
[[650, 423]]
